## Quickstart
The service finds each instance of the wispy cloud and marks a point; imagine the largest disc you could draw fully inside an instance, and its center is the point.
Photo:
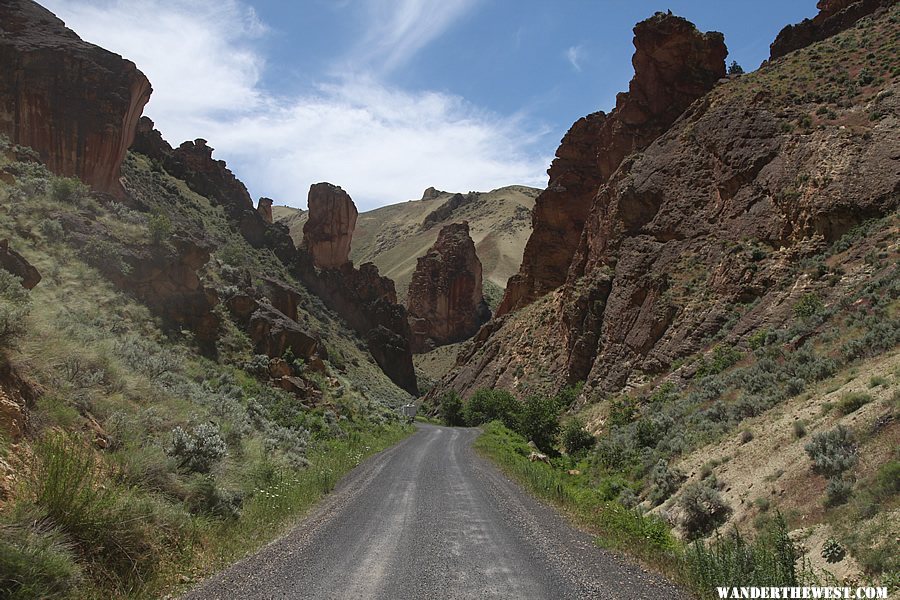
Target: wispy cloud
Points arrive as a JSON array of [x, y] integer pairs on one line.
[[381, 143], [398, 29], [575, 54]]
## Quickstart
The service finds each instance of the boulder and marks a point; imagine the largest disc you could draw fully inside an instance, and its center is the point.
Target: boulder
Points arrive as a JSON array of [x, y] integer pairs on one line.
[[15, 263], [75, 103]]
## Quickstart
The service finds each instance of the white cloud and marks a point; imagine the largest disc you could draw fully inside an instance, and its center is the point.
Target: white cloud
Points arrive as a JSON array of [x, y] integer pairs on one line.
[[380, 143], [575, 54], [398, 29]]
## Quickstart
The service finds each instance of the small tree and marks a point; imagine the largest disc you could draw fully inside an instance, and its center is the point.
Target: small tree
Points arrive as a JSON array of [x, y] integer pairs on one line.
[[488, 405], [735, 69], [703, 509], [540, 421], [576, 439], [452, 409], [160, 227]]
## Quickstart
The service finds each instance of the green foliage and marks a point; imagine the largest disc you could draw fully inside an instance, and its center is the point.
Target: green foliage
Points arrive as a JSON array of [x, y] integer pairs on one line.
[[451, 408], [15, 304], [703, 509], [576, 439], [799, 428], [722, 358], [852, 402], [808, 306], [198, 451], [833, 451], [837, 491], [68, 190], [110, 526], [768, 561], [735, 69], [487, 405], [663, 482], [539, 421], [833, 551], [35, 562], [160, 227], [887, 480], [207, 498]]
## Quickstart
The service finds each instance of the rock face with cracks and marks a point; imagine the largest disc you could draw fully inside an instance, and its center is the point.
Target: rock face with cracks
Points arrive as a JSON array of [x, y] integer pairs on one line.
[[674, 64], [446, 303], [697, 237], [75, 103], [332, 219]]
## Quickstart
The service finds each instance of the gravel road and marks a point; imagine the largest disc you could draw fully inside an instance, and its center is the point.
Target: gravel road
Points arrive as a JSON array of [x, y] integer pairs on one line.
[[429, 518]]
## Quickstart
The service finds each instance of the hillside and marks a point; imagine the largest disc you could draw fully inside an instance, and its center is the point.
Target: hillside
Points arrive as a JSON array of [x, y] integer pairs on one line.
[[394, 236], [714, 293]]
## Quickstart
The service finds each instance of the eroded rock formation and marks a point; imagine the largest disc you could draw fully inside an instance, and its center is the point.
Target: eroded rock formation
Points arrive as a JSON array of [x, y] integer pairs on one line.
[[264, 208], [834, 16], [75, 103], [362, 297], [446, 302], [697, 238], [332, 219], [674, 64]]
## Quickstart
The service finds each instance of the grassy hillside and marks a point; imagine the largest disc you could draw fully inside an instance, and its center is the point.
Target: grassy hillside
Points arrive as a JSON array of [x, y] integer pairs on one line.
[[145, 462], [393, 237]]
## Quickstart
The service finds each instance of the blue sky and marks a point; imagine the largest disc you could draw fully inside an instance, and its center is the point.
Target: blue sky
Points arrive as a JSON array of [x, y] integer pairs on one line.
[[388, 97]]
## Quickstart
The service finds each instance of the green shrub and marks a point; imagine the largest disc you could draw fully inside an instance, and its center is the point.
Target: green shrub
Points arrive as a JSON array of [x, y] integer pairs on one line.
[[852, 402], [488, 405], [887, 480], [877, 380], [539, 421], [837, 491], [576, 439], [799, 428], [35, 562], [703, 509], [663, 482], [160, 227], [68, 190], [808, 306], [833, 451], [199, 450], [451, 409], [833, 551], [722, 358], [15, 305]]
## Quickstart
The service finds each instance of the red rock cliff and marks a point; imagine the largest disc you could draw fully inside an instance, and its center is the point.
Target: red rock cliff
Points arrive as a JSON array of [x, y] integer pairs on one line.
[[75, 103], [446, 302], [362, 297], [674, 64], [332, 219]]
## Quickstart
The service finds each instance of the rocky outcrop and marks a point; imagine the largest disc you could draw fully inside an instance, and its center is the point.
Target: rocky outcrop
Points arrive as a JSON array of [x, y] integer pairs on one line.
[[697, 239], [192, 162], [329, 229], [446, 302], [445, 210], [674, 64], [165, 277], [17, 396], [834, 16], [15, 263], [76, 104], [264, 208], [362, 297]]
